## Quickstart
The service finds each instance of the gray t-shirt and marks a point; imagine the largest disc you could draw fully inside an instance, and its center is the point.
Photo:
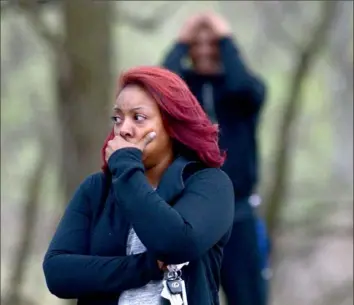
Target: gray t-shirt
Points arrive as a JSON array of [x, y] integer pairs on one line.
[[150, 294]]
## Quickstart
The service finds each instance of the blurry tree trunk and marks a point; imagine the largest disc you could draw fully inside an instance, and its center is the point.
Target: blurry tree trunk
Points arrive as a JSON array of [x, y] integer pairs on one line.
[[84, 86], [340, 82], [274, 199], [26, 234], [84, 82]]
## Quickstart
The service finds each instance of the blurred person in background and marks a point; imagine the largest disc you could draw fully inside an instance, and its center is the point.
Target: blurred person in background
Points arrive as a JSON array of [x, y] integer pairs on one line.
[[207, 58], [160, 201]]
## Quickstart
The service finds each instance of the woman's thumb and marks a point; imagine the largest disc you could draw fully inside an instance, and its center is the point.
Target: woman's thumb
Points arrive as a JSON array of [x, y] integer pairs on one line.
[[149, 137]]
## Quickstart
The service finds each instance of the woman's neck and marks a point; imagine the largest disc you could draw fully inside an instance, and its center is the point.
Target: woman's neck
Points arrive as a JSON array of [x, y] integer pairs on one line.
[[155, 173]]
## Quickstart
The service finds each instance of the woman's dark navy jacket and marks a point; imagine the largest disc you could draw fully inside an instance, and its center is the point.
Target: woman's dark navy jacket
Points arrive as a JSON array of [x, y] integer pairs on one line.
[[188, 218]]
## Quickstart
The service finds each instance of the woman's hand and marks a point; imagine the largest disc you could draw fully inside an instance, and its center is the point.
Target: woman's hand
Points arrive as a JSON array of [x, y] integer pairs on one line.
[[162, 265], [119, 142]]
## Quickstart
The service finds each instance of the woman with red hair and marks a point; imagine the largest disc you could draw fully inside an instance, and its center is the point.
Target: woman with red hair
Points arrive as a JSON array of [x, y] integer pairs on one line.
[[158, 215]]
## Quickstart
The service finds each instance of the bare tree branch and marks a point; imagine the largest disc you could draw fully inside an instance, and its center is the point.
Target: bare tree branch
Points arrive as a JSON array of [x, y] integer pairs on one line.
[[28, 221], [306, 60], [155, 19], [32, 11], [273, 22], [340, 41]]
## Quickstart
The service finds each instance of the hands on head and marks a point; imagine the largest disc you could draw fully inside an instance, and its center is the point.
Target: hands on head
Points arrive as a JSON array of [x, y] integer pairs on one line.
[[216, 22], [120, 142]]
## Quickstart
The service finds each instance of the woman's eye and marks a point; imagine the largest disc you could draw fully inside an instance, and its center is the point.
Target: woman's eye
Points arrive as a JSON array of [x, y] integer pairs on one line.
[[139, 117], [116, 119]]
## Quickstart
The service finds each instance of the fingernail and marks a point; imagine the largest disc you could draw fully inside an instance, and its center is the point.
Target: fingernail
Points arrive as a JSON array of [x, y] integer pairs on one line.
[[152, 135]]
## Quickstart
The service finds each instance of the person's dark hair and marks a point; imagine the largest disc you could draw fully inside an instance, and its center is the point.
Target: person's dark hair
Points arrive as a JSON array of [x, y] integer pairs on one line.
[[184, 119]]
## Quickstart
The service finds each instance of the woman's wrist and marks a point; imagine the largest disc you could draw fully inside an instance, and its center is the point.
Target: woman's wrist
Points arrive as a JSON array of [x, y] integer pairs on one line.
[[155, 272], [124, 158]]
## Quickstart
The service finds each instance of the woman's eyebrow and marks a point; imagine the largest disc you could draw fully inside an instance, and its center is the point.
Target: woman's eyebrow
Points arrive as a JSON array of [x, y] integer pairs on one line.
[[138, 108], [116, 108]]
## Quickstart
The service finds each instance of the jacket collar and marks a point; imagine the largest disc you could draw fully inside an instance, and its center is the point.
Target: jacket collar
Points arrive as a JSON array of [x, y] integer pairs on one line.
[[172, 183]]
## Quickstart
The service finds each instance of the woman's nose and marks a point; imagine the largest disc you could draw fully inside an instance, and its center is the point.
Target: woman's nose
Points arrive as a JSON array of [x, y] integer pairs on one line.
[[126, 130]]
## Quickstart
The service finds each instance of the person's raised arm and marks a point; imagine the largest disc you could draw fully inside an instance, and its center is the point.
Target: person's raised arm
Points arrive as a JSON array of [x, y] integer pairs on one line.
[[70, 272], [198, 220], [174, 58], [246, 89]]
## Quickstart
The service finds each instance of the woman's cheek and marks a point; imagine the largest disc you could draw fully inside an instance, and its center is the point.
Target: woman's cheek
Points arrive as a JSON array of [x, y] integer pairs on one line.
[[116, 130]]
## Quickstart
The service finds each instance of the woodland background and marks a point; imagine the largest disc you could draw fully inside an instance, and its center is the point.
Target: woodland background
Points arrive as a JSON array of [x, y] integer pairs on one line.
[[59, 62]]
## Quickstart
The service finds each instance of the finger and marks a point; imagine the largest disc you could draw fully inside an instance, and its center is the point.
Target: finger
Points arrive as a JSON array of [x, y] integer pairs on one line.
[[160, 264], [109, 150], [109, 143], [107, 153], [149, 138], [115, 142]]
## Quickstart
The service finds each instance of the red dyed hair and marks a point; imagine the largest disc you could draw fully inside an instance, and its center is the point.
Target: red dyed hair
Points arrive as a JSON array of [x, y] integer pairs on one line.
[[184, 119]]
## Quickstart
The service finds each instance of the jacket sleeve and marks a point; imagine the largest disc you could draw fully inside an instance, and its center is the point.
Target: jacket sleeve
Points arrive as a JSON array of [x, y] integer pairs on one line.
[[245, 89], [71, 273], [197, 221], [173, 59]]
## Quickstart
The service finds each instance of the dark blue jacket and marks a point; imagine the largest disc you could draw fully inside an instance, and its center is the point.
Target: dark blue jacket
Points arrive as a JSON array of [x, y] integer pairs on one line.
[[237, 97], [87, 256]]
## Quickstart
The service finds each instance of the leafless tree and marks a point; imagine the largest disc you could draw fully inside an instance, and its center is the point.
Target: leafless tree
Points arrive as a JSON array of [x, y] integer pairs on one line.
[[84, 75], [305, 59], [28, 220], [83, 81], [340, 81]]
